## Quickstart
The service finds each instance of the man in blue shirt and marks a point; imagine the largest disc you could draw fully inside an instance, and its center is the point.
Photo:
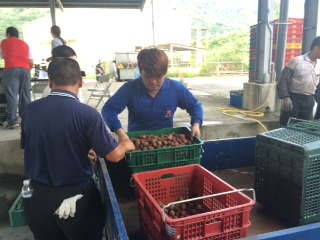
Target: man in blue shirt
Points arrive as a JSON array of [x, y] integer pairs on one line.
[[152, 99], [57, 133]]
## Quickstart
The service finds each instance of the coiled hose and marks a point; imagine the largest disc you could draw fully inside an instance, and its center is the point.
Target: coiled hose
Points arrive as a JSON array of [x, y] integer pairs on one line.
[[233, 112]]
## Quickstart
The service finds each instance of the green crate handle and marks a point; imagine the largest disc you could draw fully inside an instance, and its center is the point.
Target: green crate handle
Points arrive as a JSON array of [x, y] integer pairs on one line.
[[292, 121], [311, 126], [208, 196], [127, 160]]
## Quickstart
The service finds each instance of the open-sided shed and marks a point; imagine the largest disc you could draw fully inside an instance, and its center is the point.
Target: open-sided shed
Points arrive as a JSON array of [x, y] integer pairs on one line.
[[52, 4], [133, 4]]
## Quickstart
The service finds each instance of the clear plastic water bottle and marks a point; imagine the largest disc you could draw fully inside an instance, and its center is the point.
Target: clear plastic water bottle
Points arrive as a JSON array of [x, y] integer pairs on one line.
[[27, 189]]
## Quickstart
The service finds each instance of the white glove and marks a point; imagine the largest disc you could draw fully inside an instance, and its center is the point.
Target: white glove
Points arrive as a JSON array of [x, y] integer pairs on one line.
[[287, 104], [68, 207]]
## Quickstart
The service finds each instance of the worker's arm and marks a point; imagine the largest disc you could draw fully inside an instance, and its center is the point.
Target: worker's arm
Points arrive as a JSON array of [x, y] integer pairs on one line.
[[283, 89], [122, 135], [31, 63], [195, 130], [284, 83], [114, 106], [119, 152], [193, 107], [30, 57]]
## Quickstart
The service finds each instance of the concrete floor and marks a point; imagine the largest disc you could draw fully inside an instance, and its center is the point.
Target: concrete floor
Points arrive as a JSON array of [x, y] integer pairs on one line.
[[214, 94]]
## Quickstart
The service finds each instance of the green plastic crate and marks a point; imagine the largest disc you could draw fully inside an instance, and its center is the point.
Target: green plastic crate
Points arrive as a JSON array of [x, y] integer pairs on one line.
[[312, 127], [16, 213], [149, 160], [287, 175]]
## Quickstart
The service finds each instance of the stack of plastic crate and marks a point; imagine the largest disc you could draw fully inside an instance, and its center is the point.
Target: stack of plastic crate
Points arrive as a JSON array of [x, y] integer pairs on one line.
[[253, 53], [287, 177], [294, 39]]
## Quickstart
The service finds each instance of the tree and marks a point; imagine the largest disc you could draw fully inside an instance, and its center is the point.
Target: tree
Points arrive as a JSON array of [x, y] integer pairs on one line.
[[16, 17], [233, 47]]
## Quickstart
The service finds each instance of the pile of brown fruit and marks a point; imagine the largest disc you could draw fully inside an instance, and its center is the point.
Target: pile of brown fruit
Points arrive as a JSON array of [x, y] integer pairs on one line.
[[181, 210], [150, 142]]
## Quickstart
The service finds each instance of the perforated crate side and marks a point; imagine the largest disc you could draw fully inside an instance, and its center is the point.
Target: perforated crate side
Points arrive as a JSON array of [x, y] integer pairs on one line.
[[288, 183], [148, 226]]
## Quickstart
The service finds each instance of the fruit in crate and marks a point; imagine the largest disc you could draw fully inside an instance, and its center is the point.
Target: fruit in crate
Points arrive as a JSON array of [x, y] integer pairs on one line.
[[150, 142], [181, 210]]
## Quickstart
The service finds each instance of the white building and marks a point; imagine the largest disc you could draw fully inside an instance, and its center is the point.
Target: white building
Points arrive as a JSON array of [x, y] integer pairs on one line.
[[96, 34]]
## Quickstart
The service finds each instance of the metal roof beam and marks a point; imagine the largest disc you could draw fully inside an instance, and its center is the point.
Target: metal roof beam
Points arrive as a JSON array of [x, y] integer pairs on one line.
[[136, 4]]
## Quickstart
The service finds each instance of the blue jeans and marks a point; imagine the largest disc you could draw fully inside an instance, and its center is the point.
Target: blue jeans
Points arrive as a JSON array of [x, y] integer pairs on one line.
[[16, 82]]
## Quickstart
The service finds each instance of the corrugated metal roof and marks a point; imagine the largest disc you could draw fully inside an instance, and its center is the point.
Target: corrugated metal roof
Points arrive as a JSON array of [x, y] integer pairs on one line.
[[125, 4]]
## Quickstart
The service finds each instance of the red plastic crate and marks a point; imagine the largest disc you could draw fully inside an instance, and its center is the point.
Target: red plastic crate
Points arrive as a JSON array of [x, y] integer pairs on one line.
[[295, 36], [296, 52], [226, 216], [298, 31], [293, 26], [294, 40], [289, 56], [293, 21], [296, 20]]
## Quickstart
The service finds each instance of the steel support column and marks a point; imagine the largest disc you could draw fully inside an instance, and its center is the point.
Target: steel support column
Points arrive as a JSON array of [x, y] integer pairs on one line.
[[282, 37], [264, 37], [52, 11], [311, 21]]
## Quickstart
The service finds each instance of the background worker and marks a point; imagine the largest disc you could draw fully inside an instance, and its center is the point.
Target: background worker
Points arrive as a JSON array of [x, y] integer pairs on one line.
[[297, 85], [57, 39], [63, 51], [57, 133], [16, 78], [152, 100]]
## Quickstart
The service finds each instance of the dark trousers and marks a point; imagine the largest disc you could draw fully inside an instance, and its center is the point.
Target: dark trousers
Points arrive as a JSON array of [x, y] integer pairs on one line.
[[87, 224], [16, 81], [302, 108]]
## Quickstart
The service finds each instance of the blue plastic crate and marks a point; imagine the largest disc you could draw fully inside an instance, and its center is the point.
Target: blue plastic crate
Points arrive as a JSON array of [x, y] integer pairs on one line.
[[236, 98]]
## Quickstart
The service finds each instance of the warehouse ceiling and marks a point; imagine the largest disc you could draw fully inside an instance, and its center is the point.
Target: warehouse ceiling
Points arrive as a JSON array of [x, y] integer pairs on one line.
[[124, 4]]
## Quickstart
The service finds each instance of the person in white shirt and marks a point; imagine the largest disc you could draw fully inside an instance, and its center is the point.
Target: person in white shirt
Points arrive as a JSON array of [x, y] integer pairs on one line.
[[57, 39]]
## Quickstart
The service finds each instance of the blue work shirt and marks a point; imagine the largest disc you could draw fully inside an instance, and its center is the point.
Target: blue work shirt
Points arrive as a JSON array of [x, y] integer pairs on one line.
[[57, 134], [146, 112]]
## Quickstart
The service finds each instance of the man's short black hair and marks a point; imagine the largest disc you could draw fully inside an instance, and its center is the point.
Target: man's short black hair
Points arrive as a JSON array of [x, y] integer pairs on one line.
[[13, 32], [63, 51], [64, 71], [315, 42]]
